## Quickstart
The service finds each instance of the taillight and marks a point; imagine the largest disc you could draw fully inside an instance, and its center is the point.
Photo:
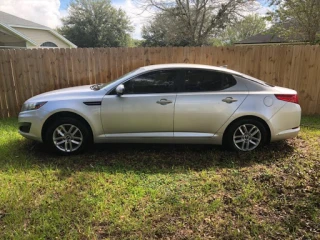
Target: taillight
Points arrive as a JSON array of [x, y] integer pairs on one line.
[[288, 98]]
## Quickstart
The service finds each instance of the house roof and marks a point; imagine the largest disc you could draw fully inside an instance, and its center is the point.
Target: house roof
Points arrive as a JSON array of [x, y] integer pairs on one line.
[[12, 20], [263, 38], [272, 36], [9, 21]]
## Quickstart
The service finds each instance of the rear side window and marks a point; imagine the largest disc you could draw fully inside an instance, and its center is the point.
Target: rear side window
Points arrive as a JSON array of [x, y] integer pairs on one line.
[[206, 81], [154, 82]]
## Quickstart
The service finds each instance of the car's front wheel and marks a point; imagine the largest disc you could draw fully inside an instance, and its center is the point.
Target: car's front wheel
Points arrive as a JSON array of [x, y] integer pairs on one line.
[[246, 135], [67, 136]]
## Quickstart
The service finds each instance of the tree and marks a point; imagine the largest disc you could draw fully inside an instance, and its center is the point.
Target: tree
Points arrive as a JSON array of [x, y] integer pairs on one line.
[[243, 29], [297, 19], [95, 23], [165, 30], [197, 20]]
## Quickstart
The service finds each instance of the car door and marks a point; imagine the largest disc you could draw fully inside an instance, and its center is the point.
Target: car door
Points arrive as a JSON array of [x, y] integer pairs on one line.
[[145, 109], [206, 101]]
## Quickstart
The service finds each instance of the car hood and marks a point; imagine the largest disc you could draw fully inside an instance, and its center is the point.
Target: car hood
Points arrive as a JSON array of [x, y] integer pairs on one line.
[[65, 93]]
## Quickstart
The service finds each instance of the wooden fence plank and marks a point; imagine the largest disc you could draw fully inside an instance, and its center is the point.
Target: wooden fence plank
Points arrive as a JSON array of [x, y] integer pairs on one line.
[[315, 85], [105, 65], [13, 98], [70, 67], [4, 111], [36, 70], [18, 76], [63, 68], [97, 66], [112, 65]]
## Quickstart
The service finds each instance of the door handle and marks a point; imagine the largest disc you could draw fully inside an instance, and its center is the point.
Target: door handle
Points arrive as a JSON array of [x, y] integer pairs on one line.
[[229, 100], [164, 102]]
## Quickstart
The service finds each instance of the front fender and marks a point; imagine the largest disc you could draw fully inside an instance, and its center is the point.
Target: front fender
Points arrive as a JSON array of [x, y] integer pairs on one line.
[[90, 113]]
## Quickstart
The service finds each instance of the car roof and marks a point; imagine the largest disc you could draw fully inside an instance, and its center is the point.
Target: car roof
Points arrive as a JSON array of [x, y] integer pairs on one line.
[[189, 65]]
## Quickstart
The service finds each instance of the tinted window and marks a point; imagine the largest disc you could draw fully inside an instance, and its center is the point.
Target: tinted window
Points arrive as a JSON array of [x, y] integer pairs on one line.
[[205, 81], [153, 82]]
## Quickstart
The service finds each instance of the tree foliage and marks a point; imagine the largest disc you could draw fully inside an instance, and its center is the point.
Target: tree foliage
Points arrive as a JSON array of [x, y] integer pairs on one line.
[[165, 30], [95, 23], [190, 22], [243, 29], [297, 19]]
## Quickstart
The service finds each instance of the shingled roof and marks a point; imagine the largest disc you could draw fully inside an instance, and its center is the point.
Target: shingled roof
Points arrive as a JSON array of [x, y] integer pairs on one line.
[[271, 36], [11, 20], [263, 38]]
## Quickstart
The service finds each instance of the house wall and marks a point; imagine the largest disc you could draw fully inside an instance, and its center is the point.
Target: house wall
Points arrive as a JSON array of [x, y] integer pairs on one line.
[[13, 44], [8, 39], [40, 36]]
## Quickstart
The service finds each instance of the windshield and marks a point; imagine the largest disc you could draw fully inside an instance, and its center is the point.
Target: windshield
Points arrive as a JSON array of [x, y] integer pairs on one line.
[[120, 78]]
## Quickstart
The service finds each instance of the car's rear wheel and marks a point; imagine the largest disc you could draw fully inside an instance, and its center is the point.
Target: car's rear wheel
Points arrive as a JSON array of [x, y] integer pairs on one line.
[[246, 135], [67, 136]]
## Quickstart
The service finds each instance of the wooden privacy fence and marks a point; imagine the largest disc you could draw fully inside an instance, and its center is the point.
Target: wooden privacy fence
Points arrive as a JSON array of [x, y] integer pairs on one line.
[[25, 73]]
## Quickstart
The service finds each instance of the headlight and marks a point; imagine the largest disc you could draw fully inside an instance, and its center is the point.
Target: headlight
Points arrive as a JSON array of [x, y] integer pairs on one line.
[[32, 106]]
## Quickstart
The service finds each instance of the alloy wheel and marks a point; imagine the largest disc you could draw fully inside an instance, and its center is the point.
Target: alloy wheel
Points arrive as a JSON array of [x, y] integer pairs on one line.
[[67, 138], [247, 137]]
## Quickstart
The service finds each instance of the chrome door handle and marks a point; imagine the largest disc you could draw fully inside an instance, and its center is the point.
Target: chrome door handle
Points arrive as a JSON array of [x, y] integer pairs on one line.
[[229, 100], [164, 102]]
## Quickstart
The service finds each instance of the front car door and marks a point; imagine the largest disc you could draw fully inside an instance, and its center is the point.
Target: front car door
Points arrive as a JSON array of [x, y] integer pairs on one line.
[[206, 101], [145, 109]]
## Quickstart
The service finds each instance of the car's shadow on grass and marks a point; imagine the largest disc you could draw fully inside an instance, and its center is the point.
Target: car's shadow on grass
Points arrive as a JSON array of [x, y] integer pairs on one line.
[[145, 158]]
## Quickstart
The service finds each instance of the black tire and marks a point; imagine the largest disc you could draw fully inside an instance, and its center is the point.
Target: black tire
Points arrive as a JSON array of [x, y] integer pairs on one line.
[[83, 132], [233, 129]]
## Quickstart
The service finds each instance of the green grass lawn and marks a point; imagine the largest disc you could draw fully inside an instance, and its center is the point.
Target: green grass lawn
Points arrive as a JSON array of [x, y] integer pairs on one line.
[[131, 191]]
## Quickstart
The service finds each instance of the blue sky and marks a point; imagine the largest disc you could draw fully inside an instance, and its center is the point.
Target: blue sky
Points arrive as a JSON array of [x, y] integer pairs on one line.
[[64, 4]]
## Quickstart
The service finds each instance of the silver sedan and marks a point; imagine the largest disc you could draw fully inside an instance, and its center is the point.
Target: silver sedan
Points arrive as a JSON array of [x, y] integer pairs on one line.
[[169, 103]]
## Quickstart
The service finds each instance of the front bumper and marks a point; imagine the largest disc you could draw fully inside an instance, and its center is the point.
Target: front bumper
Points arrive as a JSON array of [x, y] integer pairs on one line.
[[30, 124]]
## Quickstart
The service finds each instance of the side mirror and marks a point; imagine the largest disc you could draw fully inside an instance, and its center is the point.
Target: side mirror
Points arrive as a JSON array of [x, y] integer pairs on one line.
[[120, 90]]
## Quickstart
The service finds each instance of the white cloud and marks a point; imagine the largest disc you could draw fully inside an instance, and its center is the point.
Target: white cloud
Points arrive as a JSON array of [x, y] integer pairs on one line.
[[44, 12], [137, 16]]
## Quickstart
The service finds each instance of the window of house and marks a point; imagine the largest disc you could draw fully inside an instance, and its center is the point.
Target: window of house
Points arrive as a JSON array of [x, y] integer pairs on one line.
[[206, 81], [48, 44]]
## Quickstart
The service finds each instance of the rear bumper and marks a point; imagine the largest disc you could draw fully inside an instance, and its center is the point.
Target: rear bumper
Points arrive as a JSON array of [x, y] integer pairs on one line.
[[286, 122], [291, 133]]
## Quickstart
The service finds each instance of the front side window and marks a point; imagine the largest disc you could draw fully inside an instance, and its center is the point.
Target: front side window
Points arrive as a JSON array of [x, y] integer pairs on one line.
[[154, 82], [206, 81]]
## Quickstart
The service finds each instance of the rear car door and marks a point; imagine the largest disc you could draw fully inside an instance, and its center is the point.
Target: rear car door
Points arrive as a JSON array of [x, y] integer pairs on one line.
[[207, 99], [145, 109]]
